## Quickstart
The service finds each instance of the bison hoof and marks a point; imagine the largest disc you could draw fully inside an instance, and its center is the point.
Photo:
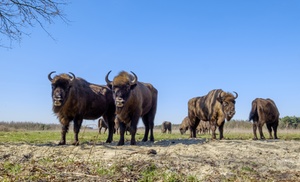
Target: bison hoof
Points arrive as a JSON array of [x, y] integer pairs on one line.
[[62, 143], [108, 141], [120, 144]]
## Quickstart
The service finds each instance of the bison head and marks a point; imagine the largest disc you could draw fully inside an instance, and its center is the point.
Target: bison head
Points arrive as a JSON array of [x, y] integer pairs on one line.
[[183, 130], [227, 101], [121, 86], [61, 85]]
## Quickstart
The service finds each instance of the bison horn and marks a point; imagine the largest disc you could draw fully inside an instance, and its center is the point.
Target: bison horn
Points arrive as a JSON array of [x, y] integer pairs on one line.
[[73, 76], [106, 78], [49, 75], [134, 81], [236, 94]]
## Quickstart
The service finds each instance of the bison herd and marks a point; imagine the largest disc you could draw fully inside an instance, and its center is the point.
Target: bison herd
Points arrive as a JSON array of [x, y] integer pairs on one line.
[[123, 101]]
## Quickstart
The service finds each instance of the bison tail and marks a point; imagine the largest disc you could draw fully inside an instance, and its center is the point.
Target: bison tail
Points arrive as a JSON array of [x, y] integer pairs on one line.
[[253, 111]]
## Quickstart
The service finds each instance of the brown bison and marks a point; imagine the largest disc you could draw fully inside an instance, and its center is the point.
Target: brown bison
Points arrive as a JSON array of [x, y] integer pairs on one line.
[[184, 125], [133, 99], [117, 127], [215, 107], [166, 125], [75, 99], [102, 124], [203, 127], [264, 111]]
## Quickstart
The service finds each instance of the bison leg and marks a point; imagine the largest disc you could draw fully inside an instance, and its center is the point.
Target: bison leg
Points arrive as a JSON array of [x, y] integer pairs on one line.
[[122, 132], [262, 137], [64, 130], [275, 125], [269, 126], [221, 130], [193, 127], [111, 126], [254, 130], [149, 125], [133, 129], [77, 126], [213, 127]]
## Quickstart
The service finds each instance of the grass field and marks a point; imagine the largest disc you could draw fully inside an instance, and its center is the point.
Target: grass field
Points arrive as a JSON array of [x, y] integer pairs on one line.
[[88, 135], [34, 156]]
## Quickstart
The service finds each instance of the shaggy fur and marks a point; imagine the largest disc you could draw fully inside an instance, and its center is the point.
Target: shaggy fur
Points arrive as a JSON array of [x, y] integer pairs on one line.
[[215, 107], [264, 111], [75, 99]]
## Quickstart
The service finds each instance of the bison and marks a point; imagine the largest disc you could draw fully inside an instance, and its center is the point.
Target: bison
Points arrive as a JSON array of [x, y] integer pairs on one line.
[[214, 107], [75, 99], [166, 125], [264, 111], [184, 125], [133, 99], [117, 127], [203, 127], [102, 124]]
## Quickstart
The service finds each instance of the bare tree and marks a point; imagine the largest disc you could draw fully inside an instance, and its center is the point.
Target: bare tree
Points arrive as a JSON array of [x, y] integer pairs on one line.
[[17, 15]]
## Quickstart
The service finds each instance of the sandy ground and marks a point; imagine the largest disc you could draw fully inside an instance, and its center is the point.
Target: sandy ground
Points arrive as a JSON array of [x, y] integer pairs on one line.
[[226, 160]]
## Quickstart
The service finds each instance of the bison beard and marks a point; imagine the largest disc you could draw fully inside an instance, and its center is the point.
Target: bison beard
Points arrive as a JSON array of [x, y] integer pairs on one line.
[[133, 100], [264, 111], [214, 107], [75, 99]]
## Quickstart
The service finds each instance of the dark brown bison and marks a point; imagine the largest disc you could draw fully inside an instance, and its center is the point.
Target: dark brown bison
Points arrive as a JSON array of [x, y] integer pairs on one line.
[[75, 99], [184, 125], [166, 125], [102, 124], [264, 111], [203, 127], [215, 107], [133, 99]]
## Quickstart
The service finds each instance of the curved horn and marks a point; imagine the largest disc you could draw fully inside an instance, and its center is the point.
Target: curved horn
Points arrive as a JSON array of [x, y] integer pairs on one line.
[[106, 78], [73, 76], [236, 94], [49, 75], [134, 81]]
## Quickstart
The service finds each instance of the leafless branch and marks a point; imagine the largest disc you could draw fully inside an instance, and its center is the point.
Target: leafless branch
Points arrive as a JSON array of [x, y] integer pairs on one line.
[[17, 15]]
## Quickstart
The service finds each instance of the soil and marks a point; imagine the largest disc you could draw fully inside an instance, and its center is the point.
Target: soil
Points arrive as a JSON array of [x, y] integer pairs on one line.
[[205, 160]]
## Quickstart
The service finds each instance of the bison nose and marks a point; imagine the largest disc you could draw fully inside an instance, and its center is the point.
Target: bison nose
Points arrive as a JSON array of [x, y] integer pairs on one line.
[[119, 102]]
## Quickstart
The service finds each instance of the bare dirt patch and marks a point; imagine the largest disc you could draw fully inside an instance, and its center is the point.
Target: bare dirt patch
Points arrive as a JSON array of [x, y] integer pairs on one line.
[[189, 159]]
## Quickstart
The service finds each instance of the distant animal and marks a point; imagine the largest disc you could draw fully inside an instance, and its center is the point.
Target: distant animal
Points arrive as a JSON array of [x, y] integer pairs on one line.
[[184, 125], [166, 126], [133, 99], [215, 107], [117, 127], [264, 111], [75, 99], [203, 127], [102, 124]]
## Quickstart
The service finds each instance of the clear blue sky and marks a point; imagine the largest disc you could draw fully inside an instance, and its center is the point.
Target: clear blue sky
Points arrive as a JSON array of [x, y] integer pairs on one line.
[[184, 48]]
